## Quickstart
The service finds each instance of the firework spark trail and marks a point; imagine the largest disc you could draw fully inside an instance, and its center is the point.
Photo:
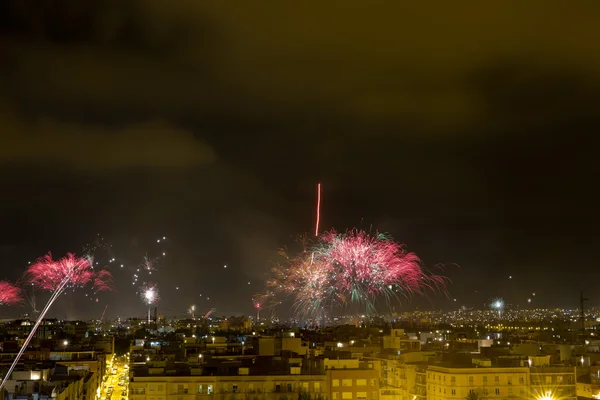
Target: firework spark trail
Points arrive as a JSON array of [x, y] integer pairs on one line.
[[318, 209], [150, 296], [30, 298], [264, 301], [209, 313], [307, 282], [257, 305], [56, 276], [355, 267], [9, 293], [312, 256], [141, 272]]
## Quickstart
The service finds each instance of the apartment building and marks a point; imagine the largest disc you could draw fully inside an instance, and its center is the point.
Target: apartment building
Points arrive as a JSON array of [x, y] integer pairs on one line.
[[419, 390], [57, 383], [457, 383], [246, 387], [354, 384], [553, 382], [501, 383]]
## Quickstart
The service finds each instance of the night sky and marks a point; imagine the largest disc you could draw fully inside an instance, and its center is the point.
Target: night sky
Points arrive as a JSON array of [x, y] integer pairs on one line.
[[469, 133]]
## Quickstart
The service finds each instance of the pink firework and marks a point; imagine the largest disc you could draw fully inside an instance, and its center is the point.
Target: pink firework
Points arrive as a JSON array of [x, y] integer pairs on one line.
[[148, 264], [264, 301], [256, 304], [103, 281], [308, 282], [9, 294], [370, 265], [70, 271], [355, 267]]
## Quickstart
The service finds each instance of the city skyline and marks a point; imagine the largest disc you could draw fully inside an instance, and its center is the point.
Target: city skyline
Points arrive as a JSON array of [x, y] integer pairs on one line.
[[210, 126]]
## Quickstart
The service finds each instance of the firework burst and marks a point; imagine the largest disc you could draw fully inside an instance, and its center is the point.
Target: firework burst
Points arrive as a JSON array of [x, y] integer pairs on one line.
[[149, 294], [9, 294], [149, 264], [351, 268], [497, 304], [264, 301]]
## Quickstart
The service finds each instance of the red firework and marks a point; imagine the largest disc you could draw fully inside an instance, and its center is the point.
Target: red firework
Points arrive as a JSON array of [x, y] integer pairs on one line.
[[103, 281], [364, 264], [9, 293], [264, 301], [70, 271], [355, 267]]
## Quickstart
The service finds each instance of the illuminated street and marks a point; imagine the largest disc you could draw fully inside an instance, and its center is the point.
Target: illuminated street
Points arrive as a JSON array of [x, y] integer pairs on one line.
[[117, 380]]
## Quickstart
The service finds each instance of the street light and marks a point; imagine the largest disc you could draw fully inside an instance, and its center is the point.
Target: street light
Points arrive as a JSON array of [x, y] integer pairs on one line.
[[547, 396]]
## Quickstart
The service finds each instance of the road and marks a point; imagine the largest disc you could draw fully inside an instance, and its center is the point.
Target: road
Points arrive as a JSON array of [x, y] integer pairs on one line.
[[117, 380]]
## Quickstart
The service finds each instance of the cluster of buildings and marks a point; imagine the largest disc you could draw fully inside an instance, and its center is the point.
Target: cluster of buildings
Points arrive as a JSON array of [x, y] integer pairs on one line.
[[515, 318], [63, 362], [191, 359], [360, 363]]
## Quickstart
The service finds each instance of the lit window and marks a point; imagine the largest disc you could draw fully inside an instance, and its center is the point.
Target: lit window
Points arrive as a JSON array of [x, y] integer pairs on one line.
[[347, 395], [335, 382]]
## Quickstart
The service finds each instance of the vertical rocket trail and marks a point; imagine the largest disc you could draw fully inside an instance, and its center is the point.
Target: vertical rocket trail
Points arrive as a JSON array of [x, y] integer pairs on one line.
[[318, 217], [318, 209]]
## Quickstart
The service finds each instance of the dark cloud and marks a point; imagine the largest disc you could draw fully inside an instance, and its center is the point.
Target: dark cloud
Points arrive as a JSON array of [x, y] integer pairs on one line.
[[465, 130], [150, 145], [43, 140], [393, 63]]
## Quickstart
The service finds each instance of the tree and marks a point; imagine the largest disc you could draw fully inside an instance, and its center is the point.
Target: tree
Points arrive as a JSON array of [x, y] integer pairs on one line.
[[474, 395]]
